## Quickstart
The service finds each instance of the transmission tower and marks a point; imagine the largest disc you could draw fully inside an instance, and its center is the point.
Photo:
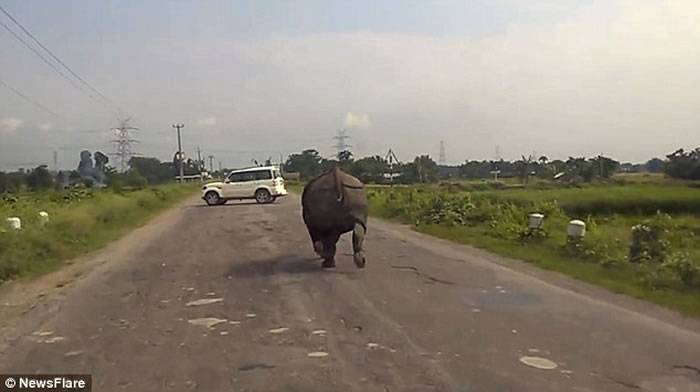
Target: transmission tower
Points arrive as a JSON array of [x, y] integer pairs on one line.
[[442, 159], [123, 143], [341, 144]]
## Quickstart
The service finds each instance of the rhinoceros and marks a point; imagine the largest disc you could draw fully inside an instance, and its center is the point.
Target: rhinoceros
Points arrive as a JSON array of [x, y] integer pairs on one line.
[[333, 204]]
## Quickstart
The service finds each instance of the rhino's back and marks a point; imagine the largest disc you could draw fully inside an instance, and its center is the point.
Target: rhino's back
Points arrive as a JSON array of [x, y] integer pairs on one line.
[[320, 200]]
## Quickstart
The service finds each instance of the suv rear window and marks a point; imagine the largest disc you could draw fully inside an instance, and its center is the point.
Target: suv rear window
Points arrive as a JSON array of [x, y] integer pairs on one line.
[[263, 175], [241, 177]]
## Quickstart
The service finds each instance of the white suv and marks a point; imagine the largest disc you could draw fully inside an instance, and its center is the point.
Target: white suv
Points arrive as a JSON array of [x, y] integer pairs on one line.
[[264, 184]]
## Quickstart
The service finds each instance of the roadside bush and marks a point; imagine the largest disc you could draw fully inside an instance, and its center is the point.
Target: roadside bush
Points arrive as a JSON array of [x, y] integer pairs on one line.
[[73, 195], [683, 268], [131, 179], [648, 242], [509, 221], [452, 210], [590, 250], [420, 206]]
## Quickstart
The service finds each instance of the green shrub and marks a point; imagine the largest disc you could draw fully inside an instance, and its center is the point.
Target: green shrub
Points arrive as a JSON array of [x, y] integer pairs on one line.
[[683, 268], [441, 208], [135, 180], [648, 242], [509, 221]]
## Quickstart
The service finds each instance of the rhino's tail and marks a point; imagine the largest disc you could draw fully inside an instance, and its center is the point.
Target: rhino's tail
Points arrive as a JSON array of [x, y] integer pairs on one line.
[[338, 183]]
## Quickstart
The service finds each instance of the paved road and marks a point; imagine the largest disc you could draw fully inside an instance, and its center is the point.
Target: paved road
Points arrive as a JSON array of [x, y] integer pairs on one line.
[[424, 315]]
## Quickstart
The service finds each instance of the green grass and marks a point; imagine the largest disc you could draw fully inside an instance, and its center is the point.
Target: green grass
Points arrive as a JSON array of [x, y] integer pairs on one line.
[[637, 199], [80, 222], [498, 218]]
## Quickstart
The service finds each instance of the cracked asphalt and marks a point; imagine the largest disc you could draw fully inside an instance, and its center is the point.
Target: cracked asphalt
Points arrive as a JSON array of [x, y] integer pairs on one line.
[[232, 298]]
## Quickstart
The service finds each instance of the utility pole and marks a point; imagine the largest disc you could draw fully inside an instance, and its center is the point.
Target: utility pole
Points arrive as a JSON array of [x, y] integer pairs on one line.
[[179, 151], [211, 163], [443, 158], [220, 167], [55, 160], [199, 159]]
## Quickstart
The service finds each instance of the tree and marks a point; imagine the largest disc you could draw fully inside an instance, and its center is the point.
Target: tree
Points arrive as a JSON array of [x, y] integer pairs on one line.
[[603, 167], [524, 168], [482, 169], [654, 165], [344, 156], [40, 179], [307, 164], [422, 169], [152, 169], [370, 169], [684, 165], [4, 182], [345, 160], [589, 169]]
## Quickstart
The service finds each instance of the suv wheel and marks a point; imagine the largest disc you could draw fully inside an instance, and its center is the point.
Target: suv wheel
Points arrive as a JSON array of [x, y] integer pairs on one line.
[[263, 196], [212, 198]]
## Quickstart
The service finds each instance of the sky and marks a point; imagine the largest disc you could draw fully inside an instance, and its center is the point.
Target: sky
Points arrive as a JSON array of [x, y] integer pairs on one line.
[[259, 79]]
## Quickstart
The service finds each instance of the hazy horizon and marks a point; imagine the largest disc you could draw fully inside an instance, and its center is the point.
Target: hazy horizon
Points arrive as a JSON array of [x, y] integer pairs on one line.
[[259, 79]]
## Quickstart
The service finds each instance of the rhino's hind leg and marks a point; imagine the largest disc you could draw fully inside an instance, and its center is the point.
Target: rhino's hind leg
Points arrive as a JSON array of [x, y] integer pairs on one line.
[[316, 241], [358, 239], [318, 248], [328, 253]]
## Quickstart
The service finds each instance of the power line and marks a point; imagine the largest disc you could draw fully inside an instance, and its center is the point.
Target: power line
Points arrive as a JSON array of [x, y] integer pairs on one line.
[[55, 57], [41, 56], [28, 99]]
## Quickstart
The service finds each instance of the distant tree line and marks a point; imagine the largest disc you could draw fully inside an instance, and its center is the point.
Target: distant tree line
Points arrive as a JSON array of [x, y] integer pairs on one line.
[[424, 169], [309, 164], [375, 169], [142, 171]]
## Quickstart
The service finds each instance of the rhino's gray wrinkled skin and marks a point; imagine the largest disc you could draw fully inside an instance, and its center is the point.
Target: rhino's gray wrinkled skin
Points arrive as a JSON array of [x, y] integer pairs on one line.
[[335, 203]]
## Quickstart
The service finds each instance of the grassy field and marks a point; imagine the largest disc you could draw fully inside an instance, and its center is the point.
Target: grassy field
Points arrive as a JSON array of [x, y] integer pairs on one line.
[[639, 199], [80, 221], [668, 272]]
